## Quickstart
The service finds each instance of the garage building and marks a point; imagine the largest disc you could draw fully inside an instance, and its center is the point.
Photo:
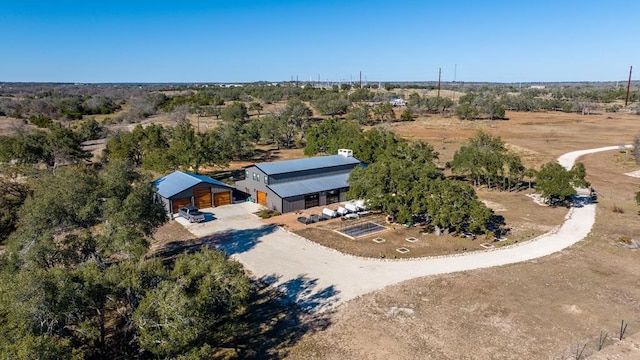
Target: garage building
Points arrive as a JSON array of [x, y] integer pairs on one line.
[[180, 189], [299, 184]]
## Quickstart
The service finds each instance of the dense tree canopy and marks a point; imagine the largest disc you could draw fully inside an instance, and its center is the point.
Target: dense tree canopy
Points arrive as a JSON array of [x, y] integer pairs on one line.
[[75, 282], [12, 194], [53, 147], [157, 148], [557, 184], [486, 160], [331, 104], [405, 182]]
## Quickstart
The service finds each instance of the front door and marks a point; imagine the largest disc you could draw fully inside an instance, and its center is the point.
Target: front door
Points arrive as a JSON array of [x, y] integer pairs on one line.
[[262, 198]]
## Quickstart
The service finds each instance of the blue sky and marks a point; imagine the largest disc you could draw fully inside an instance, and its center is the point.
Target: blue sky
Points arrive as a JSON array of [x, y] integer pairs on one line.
[[245, 41]]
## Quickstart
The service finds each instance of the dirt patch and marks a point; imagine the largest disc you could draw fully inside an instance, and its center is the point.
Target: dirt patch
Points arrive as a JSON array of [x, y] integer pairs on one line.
[[394, 238], [11, 126], [170, 232], [522, 216]]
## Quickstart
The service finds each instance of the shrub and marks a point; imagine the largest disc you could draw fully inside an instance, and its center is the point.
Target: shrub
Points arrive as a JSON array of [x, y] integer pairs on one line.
[[41, 121]]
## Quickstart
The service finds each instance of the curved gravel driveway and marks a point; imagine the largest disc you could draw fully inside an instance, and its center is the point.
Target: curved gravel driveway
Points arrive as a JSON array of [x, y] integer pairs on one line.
[[318, 278]]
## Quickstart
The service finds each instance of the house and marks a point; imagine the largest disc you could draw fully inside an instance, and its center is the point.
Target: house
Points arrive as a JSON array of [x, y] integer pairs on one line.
[[180, 189], [293, 185]]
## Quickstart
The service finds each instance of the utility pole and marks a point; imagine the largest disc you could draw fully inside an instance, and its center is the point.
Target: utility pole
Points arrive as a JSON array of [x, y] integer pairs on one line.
[[360, 79], [626, 101], [439, 74]]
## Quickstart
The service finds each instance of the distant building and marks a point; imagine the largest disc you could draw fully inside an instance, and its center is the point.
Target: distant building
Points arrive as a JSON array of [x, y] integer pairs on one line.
[[292, 185], [539, 87], [398, 102]]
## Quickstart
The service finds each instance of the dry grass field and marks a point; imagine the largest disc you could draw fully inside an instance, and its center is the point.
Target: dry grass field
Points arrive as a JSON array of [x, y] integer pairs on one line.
[[541, 309]]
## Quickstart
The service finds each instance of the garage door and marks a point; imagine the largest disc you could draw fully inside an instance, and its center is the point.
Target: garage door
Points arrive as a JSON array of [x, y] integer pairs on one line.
[[262, 198], [178, 203], [202, 197], [223, 198]]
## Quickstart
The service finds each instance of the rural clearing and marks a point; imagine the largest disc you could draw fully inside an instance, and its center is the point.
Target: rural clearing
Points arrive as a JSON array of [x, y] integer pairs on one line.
[[318, 278]]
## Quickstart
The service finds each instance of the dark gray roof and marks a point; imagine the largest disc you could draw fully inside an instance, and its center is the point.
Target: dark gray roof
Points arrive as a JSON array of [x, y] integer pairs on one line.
[[318, 162], [178, 181], [310, 186]]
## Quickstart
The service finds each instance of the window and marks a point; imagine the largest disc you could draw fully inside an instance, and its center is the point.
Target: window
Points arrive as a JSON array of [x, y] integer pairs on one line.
[[333, 196], [311, 201], [246, 174], [254, 176], [257, 177], [266, 179]]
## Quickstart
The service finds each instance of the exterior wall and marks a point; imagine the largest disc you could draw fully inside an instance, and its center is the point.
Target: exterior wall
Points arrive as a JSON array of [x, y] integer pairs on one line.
[[166, 203], [292, 204], [273, 201], [297, 202], [183, 194]]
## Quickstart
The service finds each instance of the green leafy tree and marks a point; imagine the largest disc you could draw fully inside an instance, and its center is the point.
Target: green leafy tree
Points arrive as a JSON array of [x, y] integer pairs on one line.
[[362, 94], [453, 205], [296, 116], [466, 111], [405, 182], [383, 111], [236, 111], [273, 130], [234, 140], [554, 183], [360, 114], [256, 106], [182, 145], [191, 310], [330, 135], [123, 146], [406, 115], [332, 104], [392, 183], [91, 130], [152, 147], [12, 194], [486, 160]]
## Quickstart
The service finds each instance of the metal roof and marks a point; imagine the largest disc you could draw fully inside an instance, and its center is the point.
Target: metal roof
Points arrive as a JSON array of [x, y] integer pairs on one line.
[[178, 181], [310, 186], [318, 162]]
